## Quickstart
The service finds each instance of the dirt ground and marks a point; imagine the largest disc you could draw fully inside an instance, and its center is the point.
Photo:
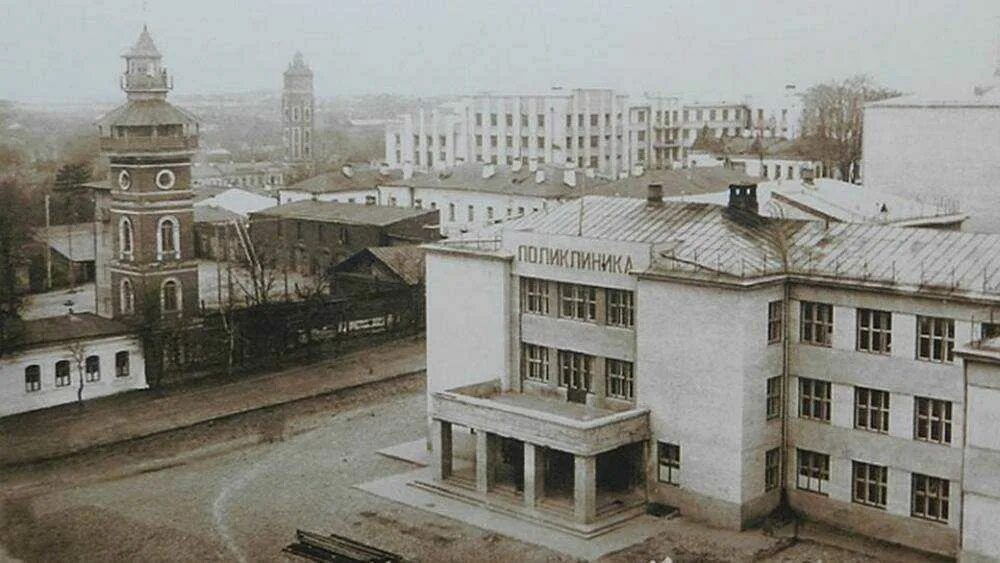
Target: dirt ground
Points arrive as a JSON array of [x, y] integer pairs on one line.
[[237, 489]]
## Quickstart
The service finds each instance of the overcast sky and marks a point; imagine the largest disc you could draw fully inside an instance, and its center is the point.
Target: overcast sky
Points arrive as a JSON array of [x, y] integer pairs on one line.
[[57, 50]]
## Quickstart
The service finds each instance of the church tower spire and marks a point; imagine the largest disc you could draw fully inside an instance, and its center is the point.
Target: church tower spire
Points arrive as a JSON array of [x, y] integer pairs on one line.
[[297, 105]]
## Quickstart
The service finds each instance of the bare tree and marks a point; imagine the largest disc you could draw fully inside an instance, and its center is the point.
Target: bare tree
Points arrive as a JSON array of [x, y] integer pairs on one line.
[[78, 352], [832, 122]]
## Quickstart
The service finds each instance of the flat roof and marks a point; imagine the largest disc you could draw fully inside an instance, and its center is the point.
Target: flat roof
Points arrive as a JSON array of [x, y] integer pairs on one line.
[[347, 213]]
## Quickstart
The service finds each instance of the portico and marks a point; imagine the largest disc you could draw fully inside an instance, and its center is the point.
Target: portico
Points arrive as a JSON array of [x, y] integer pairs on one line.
[[580, 466]]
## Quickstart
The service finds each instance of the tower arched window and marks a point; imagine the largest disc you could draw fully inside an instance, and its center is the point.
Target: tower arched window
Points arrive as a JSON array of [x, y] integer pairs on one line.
[[168, 239], [170, 296], [306, 113], [125, 236], [126, 297], [295, 113]]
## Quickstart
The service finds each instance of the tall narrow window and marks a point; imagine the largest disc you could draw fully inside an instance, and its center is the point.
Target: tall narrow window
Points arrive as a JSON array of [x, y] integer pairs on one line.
[[168, 239], [817, 323], [871, 409], [874, 331], [814, 399], [122, 364], [932, 420], [535, 362], [669, 461], [931, 498], [451, 212], [621, 308], [773, 397], [772, 469], [92, 368], [935, 339], [870, 484], [813, 471], [125, 239], [32, 378], [576, 370], [126, 297], [775, 310], [535, 295], [62, 373], [169, 296], [620, 379]]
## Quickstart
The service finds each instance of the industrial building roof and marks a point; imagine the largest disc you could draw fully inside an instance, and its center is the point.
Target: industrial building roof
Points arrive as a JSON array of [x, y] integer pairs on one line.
[[688, 181], [547, 181], [349, 178], [706, 239], [346, 213]]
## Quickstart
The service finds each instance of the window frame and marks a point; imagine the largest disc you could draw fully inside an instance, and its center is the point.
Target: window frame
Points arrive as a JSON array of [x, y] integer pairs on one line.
[[119, 365], [619, 379], [871, 338], [869, 480], [535, 362], [946, 339], [923, 498], [63, 380], [871, 409], [775, 321], [577, 302], [32, 378], [812, 319], [817, 471], [772, 469], [576, 367], [943, 420], [92, 373], [813, 399], [534, 296], [620, 307], [773, 406], [668, 458]]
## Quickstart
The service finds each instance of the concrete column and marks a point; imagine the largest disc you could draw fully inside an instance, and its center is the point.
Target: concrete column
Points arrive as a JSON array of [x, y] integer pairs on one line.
[[534, 474], [486, 457], [441, 451], [585, 488]]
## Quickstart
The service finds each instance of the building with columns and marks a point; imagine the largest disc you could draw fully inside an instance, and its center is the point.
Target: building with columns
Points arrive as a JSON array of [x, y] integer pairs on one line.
[[149, 144], [615, 352], [297, 106]]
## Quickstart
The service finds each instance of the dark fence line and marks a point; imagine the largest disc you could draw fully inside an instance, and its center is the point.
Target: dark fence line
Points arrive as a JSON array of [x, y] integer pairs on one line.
[[280, 334]]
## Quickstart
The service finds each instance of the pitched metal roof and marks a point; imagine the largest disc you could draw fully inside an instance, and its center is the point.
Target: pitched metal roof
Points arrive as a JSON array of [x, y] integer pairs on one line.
[[547, 181], [406, 261], [64, 328], [75, 242], [147, 112], [708, 239], [688, 181], [346, 213], [144, 46], [338, 181]]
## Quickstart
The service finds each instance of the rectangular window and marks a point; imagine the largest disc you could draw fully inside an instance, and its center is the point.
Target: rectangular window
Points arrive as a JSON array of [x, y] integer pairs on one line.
[[870, 484], [479, 119], [874, 331], [817, 323], [814, 399], [775, 311], [32, 378], [479, 140], [621, 308], [541, 142], [493, 119], [813, 472], [935, 339], [930, 498], [578, 302], [535, 362], [471, 213], [576, 370], [772, 469], [541, 120], [493, 141], [773, 405], [451, 212], [620, 379], [535, 295], [510, 120], [524, 120], [871, 409], [932, 420], [121, 364], [669, 461], [62, 373], [510, 142], [489, 213], [92, 369]]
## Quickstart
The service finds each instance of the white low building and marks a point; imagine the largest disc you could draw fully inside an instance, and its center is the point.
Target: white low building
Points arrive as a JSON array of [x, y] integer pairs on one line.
[[350, 184], [61, 358]]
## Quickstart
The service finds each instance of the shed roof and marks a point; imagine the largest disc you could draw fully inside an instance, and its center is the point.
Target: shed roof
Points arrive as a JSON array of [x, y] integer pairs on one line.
[[406, 261]]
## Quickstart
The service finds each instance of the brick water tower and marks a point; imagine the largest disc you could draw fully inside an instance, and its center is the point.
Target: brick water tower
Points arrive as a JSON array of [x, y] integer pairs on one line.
[[149, 144]]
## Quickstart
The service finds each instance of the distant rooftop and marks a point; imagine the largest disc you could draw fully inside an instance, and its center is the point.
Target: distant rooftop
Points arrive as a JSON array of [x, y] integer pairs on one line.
[[547, 181], [347, 179], [346, 213], [687, 181], [66, 328]]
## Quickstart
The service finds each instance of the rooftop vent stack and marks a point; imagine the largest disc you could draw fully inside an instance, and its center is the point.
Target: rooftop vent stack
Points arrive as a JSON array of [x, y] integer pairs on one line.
[[539, 176], [347, 170], [569, 178], [516, 165], [743, 197], [489, 170], [532, 164], [654, 195]]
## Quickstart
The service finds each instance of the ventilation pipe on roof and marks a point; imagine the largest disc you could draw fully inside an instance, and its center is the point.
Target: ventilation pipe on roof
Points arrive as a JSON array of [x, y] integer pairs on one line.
[[654, 195], [383, 169], [743, 197], [516, 165], [532, 164], [569, 178], [347, 171], [539, 176], [489, 170]]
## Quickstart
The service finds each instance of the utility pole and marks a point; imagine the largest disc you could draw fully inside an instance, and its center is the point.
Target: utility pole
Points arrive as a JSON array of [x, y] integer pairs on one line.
[[48, 246]]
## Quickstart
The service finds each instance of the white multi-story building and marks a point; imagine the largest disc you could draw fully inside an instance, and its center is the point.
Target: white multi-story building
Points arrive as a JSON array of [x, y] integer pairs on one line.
[[615, 352]]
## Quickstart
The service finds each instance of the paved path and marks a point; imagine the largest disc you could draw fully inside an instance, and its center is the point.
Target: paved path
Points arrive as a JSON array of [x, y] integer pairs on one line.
[[69, 428]]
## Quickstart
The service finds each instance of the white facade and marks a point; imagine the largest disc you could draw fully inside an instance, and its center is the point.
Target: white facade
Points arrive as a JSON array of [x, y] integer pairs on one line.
[[937, 151], [777, 168], [18, 394]]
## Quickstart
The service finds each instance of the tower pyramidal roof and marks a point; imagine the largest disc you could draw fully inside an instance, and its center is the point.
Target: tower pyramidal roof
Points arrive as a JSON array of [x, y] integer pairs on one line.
[[298, 65], [144, 46]]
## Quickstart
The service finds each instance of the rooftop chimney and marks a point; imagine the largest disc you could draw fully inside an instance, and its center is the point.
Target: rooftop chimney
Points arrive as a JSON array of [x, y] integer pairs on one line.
[[743, 197], [489, 170], [569, 178], [347, 170], [532, 164], [654, 196]]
